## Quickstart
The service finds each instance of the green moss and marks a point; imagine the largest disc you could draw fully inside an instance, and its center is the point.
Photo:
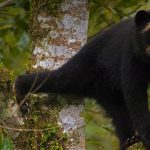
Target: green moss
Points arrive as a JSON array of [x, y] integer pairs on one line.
[[43, 117], [53, 138], [53, 6], [137, 146], [50, 6], [5, 77]]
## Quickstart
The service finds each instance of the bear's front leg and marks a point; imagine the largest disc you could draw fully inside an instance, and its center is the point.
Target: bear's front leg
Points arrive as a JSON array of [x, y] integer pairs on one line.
[[134, 87]]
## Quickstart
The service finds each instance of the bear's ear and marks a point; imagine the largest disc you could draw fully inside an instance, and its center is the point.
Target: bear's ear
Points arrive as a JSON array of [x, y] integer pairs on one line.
[[142, 17]]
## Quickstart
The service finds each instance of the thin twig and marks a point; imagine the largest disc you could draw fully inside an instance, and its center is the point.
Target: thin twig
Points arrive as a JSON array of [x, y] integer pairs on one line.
[[23, 129], [6, 3]]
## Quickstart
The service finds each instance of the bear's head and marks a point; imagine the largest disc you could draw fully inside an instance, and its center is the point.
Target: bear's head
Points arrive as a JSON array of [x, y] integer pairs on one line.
[[142, 22]]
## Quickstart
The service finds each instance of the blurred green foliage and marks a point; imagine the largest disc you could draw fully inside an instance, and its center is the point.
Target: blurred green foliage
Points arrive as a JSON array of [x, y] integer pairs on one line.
[[100, 134], [15, 46], [14, 38], [15, 18], [5, 143], [105, 13]]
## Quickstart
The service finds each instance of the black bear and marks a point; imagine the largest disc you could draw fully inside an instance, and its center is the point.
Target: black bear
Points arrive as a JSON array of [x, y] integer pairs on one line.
[[113, 68]]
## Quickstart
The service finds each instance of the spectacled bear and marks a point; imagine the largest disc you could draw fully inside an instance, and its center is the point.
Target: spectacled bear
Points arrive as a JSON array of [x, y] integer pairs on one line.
[[114, 68]]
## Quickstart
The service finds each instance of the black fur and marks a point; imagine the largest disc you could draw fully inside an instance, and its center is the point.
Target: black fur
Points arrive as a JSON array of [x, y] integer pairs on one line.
[[113, 68]]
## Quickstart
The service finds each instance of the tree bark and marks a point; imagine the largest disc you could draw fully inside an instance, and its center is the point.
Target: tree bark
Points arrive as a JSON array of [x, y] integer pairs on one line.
[[55, 39]]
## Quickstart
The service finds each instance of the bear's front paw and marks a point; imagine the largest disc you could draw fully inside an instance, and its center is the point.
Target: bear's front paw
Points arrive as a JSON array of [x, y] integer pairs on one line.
[[22, 102], [24, 108], [132, 140], [20, 92]]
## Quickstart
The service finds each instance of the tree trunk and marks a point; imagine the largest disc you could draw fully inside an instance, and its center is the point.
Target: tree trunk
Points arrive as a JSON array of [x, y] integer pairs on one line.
[[58, 31]]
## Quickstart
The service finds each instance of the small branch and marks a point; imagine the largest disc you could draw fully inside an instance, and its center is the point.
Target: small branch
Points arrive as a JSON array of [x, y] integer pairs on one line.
[[23, 129], [6, 3]]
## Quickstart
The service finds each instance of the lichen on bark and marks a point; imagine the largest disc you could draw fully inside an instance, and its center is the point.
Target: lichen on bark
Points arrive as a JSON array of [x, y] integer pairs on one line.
[[46, 7]]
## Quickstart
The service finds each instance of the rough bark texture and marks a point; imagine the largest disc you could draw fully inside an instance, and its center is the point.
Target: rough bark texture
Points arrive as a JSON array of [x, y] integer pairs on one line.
[[55, 40]]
